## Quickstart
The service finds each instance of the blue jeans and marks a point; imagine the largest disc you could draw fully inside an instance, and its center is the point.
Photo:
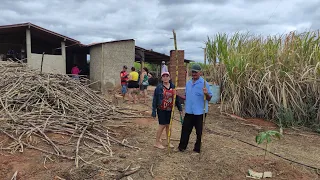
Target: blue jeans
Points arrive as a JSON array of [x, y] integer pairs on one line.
[[124, 89], [76, 77]]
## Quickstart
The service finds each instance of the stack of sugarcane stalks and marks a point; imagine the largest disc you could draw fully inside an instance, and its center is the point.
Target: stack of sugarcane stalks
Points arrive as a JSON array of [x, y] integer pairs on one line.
[[35, 105]]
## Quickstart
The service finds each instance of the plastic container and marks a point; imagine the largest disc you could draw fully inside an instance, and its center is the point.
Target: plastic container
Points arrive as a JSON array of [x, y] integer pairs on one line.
[[215, 89]]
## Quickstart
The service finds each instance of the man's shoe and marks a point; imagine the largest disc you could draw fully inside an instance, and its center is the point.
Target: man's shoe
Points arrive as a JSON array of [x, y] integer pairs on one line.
[[197, 151]]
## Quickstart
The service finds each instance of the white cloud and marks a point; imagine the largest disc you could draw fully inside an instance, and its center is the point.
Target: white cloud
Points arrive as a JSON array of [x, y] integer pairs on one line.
[[150, 22]]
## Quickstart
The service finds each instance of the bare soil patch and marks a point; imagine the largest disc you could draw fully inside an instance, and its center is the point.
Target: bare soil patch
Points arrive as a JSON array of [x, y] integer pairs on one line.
[[222, 157]]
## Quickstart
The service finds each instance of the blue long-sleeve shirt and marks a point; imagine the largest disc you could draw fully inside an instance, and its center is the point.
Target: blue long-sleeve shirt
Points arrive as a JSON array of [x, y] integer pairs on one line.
[[195, 97]]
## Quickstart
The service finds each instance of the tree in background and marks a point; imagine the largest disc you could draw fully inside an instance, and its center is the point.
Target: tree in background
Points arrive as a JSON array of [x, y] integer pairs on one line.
[[151, 67]]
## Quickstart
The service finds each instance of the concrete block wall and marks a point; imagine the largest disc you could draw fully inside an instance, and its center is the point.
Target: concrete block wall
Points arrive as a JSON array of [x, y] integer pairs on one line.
[[107, 60], [181, 67], [95, 66], [51, 63]]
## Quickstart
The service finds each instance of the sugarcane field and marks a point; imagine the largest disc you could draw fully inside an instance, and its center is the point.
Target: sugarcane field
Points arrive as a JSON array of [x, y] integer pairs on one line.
[[158, 90]]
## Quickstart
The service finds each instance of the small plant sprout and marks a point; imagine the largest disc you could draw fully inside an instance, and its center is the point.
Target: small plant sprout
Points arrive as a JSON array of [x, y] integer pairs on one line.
[[267, 136]]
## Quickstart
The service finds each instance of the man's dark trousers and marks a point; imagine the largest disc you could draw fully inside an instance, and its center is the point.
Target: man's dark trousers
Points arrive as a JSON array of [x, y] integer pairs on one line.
[[190, 121]]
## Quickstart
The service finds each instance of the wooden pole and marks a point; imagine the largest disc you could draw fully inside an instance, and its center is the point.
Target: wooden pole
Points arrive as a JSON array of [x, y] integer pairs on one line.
[[142, 61], [175, 94], [204, 100], [102, 70], [41, 62]]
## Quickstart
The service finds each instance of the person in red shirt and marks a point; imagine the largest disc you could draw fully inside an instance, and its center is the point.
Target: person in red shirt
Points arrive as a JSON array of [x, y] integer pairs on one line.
[[162, 106], [124, 81], [75, 71]]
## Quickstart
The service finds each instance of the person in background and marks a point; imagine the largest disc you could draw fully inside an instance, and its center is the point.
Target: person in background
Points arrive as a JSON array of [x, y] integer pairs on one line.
[[75, 71], [162, 105], [139, 72], [124, 81], [195, 94], [144, 83], [133, 85], [164, 67]]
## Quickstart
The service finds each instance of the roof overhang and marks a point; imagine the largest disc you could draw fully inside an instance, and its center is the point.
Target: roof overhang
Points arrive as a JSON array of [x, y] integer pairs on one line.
[[38, 32], [107, 42], [72, 44], [153, 57]]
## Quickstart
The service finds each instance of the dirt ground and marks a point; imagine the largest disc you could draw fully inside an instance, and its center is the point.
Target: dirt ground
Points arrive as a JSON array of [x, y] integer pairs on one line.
[[222, 157]]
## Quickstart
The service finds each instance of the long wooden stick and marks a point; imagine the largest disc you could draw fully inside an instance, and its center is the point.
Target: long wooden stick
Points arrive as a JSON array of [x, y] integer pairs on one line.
[[204, 100], [14, 177], [33, 147], [56, 148], [78, 144], [42, 62], [175, 94]]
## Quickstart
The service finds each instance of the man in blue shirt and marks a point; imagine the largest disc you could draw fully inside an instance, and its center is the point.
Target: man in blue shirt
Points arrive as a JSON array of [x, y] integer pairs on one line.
[[195, 94]]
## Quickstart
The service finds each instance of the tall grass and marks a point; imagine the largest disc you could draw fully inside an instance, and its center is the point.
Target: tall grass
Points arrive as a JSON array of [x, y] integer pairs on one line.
[[275, 77]]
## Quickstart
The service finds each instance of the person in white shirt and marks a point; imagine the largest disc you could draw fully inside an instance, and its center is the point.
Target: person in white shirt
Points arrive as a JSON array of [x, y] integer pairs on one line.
[[164, 67]]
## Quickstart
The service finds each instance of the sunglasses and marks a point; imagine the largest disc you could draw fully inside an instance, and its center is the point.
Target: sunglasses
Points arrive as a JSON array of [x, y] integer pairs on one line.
[[194, 71]]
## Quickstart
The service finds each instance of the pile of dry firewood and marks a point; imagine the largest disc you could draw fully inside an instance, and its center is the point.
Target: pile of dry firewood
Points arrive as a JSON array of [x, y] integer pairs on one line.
[[34, 104]]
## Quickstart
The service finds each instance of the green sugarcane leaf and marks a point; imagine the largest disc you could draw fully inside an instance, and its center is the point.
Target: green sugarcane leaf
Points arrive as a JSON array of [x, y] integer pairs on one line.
[[278, 135], [268, 138], [261, 137], [258, 139], [274, 133]]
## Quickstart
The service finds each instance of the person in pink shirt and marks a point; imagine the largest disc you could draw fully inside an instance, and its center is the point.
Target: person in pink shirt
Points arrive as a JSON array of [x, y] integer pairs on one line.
[[75, 71]]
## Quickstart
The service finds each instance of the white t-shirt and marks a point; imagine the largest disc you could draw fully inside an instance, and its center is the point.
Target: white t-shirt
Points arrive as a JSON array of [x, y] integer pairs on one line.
[[164, 68]]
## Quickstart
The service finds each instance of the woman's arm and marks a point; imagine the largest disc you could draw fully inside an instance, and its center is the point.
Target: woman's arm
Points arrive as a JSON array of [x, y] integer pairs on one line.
[[142, 77], [178, 104], [154, 103], [129, 77]]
